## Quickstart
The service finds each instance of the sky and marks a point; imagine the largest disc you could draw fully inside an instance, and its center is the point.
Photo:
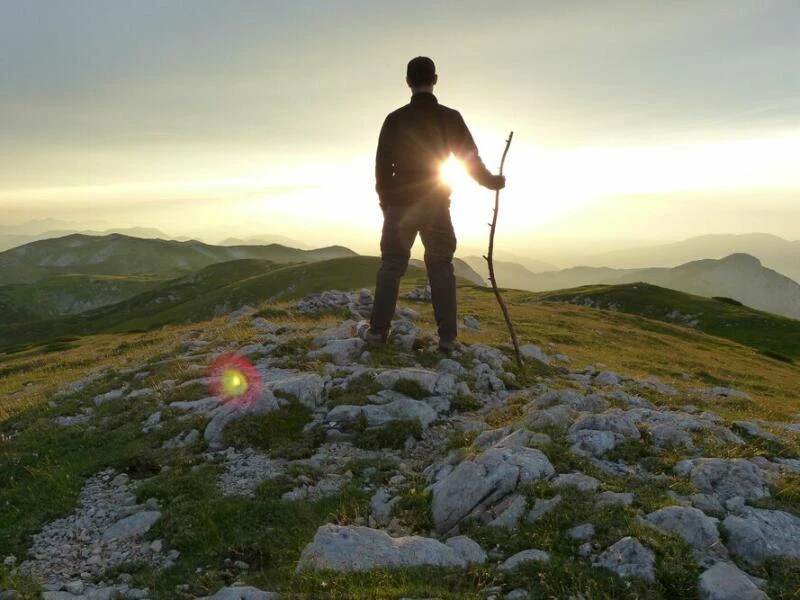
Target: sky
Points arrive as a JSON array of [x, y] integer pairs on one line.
[[633, 121]]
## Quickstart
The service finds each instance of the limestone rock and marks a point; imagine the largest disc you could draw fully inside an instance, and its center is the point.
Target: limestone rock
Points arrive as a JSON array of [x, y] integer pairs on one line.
[[697, 529], [628, 558], [133, 526], [340, 548], [109, 396], [339, 352], [378, 416], [513, 507], [488, 355], [541, 507], [242, 592], [483, 480], [614, 499], [607, 378], [758, 534], [308, 388], [381, 507], [558, 417], [573, 399], [436, 384], [756, 431], [579, 481], [728, 478], [598, 433], [533, 352], [581, 532], [725, 581], [486, 380], [517, 559], [468, 549]]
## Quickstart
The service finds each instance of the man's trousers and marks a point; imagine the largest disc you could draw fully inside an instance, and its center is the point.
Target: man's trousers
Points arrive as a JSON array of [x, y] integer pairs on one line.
[[401, 223]]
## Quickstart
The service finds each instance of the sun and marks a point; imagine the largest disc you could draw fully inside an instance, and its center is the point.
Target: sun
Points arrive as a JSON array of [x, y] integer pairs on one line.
[[453, 173]]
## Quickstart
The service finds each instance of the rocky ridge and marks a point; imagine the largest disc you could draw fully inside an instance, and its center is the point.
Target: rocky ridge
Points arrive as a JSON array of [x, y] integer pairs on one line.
[[522, 443]]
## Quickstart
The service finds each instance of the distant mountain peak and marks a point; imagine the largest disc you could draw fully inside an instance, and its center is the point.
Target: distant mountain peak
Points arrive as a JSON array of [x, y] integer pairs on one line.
[[741, 259]]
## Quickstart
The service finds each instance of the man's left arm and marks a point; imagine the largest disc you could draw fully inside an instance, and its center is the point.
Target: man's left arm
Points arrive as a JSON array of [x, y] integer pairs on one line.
[[384, 162]]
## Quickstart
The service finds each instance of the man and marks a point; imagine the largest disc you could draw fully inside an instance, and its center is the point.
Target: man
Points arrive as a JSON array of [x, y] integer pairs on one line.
[[414, 142]]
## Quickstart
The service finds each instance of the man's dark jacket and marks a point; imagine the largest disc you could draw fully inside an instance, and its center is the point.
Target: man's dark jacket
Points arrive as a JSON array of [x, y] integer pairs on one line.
[[415, 141]]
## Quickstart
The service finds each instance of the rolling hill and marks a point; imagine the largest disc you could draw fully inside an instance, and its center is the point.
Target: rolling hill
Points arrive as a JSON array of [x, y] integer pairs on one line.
[[768, 333], [217, 288], [123, 255]]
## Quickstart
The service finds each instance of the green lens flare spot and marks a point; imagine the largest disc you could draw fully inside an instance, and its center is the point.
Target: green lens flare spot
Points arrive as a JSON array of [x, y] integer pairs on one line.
[[234, 383]]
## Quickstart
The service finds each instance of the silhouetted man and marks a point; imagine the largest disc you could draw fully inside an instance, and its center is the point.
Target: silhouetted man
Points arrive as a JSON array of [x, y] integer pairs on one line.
[[414, 142]]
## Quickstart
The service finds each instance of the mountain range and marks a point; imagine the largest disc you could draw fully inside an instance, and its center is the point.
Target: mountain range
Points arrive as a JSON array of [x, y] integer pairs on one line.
[[123, 255], [738, 276]]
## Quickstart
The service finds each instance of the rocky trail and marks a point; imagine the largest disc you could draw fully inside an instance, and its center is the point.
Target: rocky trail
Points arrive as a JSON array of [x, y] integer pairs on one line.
[[468, 464]]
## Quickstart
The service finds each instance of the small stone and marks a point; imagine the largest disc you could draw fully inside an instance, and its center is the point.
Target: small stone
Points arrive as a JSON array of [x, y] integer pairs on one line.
[[607, 378], [628, 558], [541, 507], [581, 532], [75, 587], [517, 559], [533, 352], [470, 322], [132, 526], [579, 481], [614, 499], [510, 513]]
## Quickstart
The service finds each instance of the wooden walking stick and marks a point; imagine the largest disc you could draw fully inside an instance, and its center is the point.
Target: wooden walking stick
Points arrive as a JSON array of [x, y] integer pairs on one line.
[[489, 258]]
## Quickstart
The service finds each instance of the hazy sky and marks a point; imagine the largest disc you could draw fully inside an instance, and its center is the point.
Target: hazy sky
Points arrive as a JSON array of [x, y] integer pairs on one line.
[[632, 119]]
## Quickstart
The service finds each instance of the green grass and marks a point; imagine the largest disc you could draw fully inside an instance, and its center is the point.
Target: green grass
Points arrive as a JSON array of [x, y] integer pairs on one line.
[[357, 391], [771, 334], [280, 432], [566, 573], [207, 528]]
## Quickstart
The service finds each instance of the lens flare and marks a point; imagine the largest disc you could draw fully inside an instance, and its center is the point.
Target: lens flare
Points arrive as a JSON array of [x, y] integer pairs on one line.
[[233, 379]]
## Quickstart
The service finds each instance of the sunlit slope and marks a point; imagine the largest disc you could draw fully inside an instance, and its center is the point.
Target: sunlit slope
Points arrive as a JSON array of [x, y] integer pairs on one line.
[[117, 254], [766, 332], [215, 289], [68, 294]]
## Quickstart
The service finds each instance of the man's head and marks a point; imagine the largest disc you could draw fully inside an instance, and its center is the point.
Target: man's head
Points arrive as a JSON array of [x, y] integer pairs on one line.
[[421, 74]]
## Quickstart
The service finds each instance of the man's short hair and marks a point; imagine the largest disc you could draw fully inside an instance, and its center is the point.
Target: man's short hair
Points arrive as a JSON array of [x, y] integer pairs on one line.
[[421, 71]]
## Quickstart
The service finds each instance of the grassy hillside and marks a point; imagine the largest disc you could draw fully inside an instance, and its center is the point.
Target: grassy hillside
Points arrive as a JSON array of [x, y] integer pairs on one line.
[[39, 459], [766, 332], [117, 254], [68, 294], [201, 295]]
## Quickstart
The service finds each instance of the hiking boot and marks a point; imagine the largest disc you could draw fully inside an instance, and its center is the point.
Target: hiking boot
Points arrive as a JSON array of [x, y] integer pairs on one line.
[[373, 338], [450, 346]]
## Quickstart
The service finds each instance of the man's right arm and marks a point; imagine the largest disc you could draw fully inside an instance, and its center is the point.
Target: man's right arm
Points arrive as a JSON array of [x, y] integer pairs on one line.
[[384, 162]]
